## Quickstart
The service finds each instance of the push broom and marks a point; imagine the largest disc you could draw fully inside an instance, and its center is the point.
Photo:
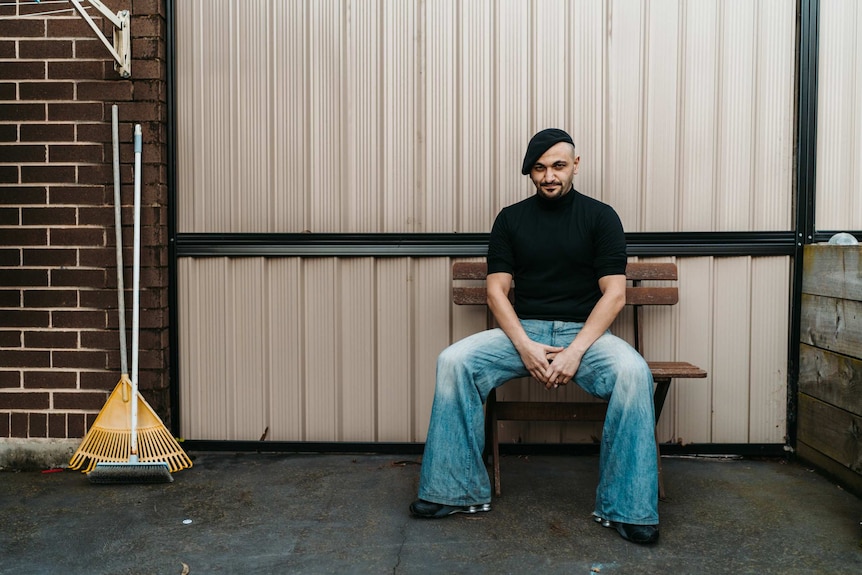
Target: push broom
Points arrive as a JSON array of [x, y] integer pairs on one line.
[[128, 443]]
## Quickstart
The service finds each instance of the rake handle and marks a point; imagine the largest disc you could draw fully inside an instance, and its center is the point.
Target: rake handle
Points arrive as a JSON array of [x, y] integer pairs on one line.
[[136, 299], [118, 230]]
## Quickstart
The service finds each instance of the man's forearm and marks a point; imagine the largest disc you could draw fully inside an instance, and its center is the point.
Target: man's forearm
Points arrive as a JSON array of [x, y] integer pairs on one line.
[[507, 319], [603, 315], [598, 322]]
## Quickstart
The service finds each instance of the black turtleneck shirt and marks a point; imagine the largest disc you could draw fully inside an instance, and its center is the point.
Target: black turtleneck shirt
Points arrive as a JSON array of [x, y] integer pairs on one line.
[[557, 250]]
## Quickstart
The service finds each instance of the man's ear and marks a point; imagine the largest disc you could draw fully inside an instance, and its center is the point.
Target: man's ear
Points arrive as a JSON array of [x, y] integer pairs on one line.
[[576, 162]]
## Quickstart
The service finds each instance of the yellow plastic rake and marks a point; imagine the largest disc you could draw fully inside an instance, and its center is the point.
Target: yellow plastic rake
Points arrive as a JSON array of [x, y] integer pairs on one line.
[[109, 438], [128, 443]]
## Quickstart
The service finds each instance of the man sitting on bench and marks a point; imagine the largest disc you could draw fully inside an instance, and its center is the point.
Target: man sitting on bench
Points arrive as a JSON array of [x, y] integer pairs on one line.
[[567, 255]]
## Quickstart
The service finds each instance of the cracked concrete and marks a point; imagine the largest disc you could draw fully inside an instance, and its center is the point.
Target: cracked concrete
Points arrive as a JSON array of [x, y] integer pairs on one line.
[[304, 513]]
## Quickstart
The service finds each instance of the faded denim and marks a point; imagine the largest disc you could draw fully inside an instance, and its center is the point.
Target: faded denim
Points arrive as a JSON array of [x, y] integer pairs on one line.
[[453, 471]]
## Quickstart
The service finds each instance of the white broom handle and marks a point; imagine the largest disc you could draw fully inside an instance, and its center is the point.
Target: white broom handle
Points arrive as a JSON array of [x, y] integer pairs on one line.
[[118, 227], [135, 293]]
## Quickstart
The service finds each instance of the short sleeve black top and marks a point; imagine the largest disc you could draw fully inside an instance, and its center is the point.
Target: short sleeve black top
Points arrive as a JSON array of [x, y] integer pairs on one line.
[[557, 250]]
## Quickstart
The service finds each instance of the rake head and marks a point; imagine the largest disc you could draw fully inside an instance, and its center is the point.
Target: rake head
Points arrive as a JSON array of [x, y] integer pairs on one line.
[[109, 438]]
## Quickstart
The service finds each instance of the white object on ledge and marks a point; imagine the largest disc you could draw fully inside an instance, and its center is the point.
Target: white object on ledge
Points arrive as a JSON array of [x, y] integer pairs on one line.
[[843, 239]]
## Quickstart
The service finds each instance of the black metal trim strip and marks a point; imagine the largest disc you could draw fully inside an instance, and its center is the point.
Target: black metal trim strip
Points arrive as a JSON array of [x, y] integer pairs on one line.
[[823, 236], [730, 449], [171, 150], [649, 244]]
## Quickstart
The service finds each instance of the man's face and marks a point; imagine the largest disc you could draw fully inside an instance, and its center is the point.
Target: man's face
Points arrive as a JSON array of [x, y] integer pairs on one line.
[[553, 172]]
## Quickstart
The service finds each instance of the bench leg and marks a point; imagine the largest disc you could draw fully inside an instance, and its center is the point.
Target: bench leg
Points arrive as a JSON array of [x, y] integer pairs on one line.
[[661, 493], [489, 408], [661, 388], [492, 440]]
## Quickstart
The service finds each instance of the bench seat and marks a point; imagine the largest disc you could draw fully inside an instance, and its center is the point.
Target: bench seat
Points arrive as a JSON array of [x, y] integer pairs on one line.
[[637, 295]]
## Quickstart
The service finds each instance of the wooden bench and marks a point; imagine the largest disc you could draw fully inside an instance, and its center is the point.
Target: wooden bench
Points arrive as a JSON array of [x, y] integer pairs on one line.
[[637, 295]]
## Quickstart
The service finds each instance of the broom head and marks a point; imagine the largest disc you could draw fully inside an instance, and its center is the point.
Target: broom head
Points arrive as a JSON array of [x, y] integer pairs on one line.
[[109, 439]]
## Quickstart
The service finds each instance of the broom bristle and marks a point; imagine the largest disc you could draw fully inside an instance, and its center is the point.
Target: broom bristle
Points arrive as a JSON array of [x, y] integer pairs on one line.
[[122, 473]]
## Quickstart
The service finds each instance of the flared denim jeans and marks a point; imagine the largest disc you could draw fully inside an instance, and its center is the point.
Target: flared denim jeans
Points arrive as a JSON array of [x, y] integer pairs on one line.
[[453, 471]]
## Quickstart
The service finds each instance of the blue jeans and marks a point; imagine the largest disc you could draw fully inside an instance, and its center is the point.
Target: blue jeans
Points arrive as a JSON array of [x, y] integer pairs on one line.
[[453, 472]]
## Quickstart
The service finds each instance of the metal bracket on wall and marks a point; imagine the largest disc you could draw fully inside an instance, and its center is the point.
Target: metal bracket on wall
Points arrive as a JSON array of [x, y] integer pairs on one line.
[[121, 49]]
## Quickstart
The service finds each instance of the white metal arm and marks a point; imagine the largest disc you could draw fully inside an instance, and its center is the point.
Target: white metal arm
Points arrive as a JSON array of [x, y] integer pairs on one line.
[[121, 49]]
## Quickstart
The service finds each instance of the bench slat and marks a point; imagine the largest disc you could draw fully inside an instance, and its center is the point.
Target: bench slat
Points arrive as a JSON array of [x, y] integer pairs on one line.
[[549, 411], [674, 369], [651, 271], [469, 270], [467, 295], [634, 271]]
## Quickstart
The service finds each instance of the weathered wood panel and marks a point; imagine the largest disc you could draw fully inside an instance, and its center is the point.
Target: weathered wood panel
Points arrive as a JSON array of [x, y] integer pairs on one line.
[[832, 431], [830, 377], [834, 272], [830, 362], [831, 323]]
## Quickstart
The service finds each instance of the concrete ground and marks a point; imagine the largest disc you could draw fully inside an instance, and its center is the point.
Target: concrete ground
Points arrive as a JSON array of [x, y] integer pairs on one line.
[[300, 513]]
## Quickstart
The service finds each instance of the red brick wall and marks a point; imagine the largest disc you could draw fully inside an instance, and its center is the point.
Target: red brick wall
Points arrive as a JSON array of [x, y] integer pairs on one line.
[[59, 340]]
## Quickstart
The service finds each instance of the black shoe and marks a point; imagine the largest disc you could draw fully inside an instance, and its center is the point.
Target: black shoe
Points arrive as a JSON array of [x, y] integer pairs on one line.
[[429, 510], [643, 534]]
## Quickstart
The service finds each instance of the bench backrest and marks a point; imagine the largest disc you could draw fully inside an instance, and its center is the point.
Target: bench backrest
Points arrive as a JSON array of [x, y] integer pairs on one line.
[[637, 294]]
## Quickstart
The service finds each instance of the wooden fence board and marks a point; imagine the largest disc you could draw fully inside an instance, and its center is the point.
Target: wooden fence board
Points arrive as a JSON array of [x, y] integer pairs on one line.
[[830, 377], [833, 271], [832, 431], [833, 324]]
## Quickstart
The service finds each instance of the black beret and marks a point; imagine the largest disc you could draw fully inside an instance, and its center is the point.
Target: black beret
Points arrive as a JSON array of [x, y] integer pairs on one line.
[[540, 143]]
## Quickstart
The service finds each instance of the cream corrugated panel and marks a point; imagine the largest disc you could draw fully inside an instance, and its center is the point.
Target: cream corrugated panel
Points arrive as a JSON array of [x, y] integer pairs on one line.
[[354, 349], [768, 378], [205, 413], [513, 94], [291, 164], [286, 343], [399, 119], [660, 145], [322, 178], [731, 356], [394, 345], [439, 141], [551, 33], [408, 116], [699, 104], [586, 87], [693, 399], [476, 100], [366, 158], [839, 123], [773, 116], [322, 298], [204, 139], [737, 56], [252, 189], [246, 324], [624, 123], [430, 313]]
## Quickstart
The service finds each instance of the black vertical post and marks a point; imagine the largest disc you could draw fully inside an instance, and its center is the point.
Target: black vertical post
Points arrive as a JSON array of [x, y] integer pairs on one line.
[[173, 313], [809, 19]]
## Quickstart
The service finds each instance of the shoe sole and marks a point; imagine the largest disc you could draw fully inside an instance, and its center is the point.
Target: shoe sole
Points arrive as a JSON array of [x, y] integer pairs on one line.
[[619, 528], [473, 509], [469, 509]]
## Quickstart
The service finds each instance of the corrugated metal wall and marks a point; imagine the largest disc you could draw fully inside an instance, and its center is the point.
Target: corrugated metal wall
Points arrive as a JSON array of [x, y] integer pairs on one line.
[[839, 117], [412, 116]]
